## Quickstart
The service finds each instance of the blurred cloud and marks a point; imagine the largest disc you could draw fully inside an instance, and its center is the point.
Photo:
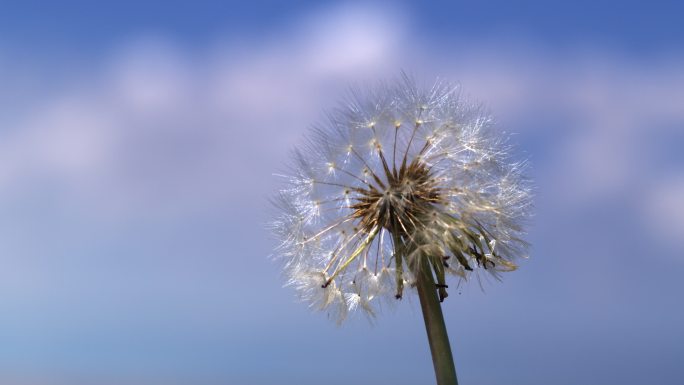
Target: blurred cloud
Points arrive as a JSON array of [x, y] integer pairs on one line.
[[157, 118], [664, 210]]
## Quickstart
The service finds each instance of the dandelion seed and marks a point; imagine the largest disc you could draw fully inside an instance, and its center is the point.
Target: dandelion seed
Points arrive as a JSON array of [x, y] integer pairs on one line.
[[400, 183], [452, 195]]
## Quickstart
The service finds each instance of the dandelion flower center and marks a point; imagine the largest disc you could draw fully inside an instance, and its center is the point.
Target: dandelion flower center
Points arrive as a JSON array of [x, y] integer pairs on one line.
[[403, 205]]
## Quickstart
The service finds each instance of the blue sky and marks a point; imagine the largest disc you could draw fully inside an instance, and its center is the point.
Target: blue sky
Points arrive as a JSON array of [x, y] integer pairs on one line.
[[626, 25], [138, 144]]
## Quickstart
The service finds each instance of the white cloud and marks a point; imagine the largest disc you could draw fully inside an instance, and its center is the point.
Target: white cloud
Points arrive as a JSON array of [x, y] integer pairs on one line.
[[160, 129], [664, 210], [350, 38], [150, 76]]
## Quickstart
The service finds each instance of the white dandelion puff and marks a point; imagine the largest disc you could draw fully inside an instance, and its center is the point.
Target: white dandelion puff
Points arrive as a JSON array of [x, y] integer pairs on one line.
[[400, 177]]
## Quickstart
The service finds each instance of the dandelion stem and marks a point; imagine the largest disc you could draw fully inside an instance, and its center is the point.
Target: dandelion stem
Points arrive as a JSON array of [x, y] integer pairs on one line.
[[443, 361]]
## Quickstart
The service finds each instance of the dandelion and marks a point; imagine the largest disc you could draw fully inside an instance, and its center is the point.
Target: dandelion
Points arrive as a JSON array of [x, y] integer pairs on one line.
[[401, 188]]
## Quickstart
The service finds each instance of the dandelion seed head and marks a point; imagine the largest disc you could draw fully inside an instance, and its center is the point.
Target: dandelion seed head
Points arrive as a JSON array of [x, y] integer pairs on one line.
[[398, 175]]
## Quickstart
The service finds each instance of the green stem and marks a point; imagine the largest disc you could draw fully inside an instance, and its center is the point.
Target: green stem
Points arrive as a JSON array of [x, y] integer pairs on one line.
[[434, 325]]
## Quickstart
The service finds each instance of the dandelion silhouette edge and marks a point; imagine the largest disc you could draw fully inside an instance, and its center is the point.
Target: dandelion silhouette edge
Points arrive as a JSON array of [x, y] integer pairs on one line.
[[398, 174]]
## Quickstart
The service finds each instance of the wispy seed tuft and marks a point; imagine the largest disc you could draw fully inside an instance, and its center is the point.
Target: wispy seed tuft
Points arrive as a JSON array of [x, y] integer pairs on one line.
[[398, 175]]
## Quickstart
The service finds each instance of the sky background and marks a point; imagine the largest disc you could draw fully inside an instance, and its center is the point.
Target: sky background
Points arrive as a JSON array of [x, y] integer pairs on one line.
[[138, 143]]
